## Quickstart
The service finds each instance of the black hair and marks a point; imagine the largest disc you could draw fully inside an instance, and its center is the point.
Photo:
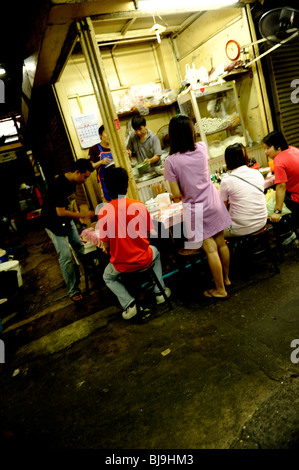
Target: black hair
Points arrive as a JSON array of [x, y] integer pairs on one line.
[[116, 180], [101, 129], [181, 134], [276, 139], [235, 155], [83, 165], [138, 121]]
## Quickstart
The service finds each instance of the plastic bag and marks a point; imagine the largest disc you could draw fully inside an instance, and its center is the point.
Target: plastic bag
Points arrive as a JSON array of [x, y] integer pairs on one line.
[[192, 75], [270, 197], [203, 75]]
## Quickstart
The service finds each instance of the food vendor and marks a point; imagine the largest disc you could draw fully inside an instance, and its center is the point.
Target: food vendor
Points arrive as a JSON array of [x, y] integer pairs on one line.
[[143, 143]]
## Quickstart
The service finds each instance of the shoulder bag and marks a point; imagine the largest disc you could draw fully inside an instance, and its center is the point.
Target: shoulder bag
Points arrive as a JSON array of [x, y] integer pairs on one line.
[[248, 182]]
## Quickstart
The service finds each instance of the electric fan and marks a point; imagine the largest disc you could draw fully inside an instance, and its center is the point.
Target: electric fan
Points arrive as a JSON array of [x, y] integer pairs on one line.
[[278, 26], [163, 136]]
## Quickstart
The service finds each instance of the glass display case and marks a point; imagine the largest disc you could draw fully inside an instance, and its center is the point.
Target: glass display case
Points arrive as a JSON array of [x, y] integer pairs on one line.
[[216, 114]]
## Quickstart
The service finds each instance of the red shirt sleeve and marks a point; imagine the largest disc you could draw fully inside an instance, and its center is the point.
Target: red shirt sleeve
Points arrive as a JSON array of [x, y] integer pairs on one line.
[[280, 173]]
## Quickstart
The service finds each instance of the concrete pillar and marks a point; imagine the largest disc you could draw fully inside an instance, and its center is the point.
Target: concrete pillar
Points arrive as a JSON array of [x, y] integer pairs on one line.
[[104, 99]]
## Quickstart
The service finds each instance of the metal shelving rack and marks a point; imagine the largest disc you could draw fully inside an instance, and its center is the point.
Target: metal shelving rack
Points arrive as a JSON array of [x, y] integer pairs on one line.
[[223, 100]]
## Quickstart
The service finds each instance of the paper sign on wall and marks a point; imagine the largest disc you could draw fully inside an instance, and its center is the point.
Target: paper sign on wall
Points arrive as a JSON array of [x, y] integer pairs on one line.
[[87, 129]]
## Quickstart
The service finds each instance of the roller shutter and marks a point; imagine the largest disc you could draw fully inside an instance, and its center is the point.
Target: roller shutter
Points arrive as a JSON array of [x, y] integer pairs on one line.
[[285, 68]]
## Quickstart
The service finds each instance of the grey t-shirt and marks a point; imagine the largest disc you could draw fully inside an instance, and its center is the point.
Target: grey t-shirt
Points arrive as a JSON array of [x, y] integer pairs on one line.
[[147, 149]]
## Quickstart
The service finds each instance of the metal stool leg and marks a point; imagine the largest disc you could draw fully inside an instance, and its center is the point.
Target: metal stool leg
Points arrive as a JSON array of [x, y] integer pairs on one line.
[[86, 279], [162, 292], [278, 240], [269, 251]]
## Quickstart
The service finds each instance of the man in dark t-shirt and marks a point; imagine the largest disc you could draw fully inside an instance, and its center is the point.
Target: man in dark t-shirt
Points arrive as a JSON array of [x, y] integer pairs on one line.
[[58, 221]]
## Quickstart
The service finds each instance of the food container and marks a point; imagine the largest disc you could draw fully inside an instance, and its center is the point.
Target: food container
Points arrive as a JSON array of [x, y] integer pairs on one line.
[[159, 170], [152, 205], [271, 165], [163, 200], [13, 266], [142, 167], [264, 171]]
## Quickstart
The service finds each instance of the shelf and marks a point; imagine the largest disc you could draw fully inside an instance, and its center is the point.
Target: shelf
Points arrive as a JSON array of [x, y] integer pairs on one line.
[[235, 73], [221, 130], [8, 147], [216, 112], [151, 108]]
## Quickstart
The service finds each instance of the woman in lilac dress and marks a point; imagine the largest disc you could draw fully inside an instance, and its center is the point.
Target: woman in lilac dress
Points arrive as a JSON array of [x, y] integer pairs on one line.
[[186, 169]]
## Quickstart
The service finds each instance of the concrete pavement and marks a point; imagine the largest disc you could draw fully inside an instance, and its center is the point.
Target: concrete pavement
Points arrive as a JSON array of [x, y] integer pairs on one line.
[[208, 375]]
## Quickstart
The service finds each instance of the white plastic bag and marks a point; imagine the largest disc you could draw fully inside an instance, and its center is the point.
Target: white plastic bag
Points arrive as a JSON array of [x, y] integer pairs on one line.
[[203, 75], [192, 74]]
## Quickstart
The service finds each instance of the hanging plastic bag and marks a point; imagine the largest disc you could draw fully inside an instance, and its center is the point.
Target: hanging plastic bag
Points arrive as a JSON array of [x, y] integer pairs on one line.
[[270, 197], [192, 75], [203, 75]]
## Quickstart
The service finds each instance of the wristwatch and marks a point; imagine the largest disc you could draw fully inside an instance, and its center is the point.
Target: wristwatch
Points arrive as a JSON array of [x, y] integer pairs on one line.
[[277, 211]]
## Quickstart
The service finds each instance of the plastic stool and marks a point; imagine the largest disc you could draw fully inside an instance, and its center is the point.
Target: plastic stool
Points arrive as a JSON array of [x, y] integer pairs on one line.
[[244, 244], [136, 277]]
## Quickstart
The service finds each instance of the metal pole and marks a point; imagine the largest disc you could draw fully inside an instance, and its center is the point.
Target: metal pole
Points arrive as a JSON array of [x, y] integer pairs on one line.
[[104, 99]]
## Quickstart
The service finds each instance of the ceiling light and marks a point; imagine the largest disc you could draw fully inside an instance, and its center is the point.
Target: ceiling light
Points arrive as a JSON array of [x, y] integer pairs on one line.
[[2, 71], [183, 5]]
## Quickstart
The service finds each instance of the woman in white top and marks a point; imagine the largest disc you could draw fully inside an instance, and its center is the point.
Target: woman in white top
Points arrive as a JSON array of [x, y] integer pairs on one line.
[[242, 191]]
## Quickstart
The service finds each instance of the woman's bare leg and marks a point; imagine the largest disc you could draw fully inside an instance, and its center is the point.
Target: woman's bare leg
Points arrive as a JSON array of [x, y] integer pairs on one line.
[[224, 256], [211, 249]]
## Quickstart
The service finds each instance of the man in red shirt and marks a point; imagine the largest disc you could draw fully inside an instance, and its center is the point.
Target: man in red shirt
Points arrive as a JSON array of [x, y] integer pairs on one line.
[[286, 170], [124, 225]]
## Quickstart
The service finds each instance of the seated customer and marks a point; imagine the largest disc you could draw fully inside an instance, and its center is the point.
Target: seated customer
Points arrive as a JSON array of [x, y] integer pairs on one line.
[[243, 191], [124, 225], [286, 170]]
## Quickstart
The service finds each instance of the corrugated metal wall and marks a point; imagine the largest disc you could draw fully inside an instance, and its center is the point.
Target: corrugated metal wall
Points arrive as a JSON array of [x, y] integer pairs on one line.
[[285, 67]]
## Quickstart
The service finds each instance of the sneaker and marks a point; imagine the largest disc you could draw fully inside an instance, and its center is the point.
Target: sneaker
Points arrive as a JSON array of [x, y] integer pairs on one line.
[[129, 312], [290, 239], [160, 299]]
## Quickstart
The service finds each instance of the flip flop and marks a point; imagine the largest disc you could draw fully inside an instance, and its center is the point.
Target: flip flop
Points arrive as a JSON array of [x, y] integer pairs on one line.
[[77, 298], [211, 296]]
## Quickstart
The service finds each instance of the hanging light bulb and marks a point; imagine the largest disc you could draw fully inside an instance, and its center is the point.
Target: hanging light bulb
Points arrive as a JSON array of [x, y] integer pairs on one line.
[[158, 29]]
